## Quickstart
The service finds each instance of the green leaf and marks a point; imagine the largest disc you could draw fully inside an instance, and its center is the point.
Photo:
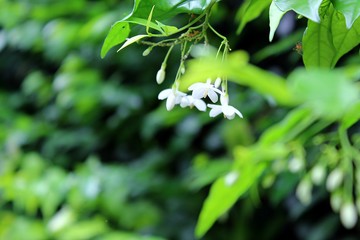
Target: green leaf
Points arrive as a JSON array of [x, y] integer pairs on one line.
[[236, 69], [223, 196], [275, 15], [168, 30], [325, 42], [350, 9], [329, 93], [165, 9], [287, 128], [118, 33], [309, 8], [142, 9], [132, 40], [351, 117], [250, 10]]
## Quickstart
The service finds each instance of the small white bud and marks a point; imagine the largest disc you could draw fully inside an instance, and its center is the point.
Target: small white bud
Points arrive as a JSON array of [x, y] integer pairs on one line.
[[335, 201], [334, 179], [295, 164], [348, 215], [318, 174], [147, 51], [303, 191], [217, 82], [160, 75], [231, 177]]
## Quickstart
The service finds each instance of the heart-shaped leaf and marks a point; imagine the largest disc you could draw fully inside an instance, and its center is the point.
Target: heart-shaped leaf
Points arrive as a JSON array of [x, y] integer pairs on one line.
[[325, 42], [350, 9]]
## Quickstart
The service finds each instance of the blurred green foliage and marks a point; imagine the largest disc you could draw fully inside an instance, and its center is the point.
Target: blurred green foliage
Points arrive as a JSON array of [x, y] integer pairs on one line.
[[87, 151]]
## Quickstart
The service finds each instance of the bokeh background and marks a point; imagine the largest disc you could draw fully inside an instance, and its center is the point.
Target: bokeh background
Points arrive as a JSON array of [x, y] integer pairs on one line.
[[88, 152]]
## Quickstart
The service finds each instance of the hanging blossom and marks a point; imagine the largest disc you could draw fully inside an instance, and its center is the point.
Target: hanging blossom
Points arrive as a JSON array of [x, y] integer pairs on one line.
[[228, 111], [190, 101], [202, 90], [172, 96]]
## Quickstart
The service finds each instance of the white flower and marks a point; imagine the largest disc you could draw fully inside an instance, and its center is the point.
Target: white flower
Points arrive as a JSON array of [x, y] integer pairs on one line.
[[348, 215], [172, 97], [201, 90], [189, 101], [228, 111]]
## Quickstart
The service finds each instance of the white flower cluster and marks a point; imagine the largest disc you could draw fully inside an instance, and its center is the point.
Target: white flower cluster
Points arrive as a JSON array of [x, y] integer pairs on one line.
[[199, 91]]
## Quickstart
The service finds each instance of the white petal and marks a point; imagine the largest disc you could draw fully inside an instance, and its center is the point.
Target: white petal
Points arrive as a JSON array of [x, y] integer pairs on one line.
[[198, 93], [184, 102], [217, 82], [224, 100], [228, 110], [170, 102], [230, 117], [238, 113], [213, 96], [216, 110], [196, 86], [164, 94], [200, 105]]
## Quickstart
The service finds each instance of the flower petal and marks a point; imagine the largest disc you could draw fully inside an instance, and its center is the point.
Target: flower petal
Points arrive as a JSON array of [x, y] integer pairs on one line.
[[228, 110], [200, 105], [164, 94], [216, 110], [184, 102], [196, 86], [198, 93], [170, 102], [213, 96]]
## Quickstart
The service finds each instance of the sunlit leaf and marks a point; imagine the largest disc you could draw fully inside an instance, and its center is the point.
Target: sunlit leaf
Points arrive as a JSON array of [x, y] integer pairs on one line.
[[239, 71], [329, 93], [118, 33], [131, 41], [223, 196], [275, 15], [350, 9], [325, 42], [352, 116], [309, 9]]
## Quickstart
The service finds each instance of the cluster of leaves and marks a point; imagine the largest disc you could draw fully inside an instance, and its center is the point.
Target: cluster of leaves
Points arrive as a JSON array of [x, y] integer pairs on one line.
[[319, 96]]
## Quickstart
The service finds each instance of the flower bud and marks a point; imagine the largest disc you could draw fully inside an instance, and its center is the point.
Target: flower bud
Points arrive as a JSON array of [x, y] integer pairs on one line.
[[147, 51], [217, 82], [182, 70], [303, 191], [334, 179], [348, 215], [295, 164], [318, 174], [160, 75], [336, 201]]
